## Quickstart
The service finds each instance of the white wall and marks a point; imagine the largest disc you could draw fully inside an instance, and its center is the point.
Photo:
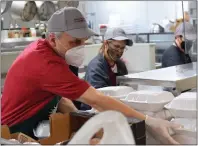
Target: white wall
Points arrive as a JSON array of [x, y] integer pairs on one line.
[[134, 16]]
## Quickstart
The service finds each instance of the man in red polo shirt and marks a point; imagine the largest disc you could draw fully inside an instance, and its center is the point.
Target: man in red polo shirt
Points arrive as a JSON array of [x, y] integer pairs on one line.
[[42, 71]]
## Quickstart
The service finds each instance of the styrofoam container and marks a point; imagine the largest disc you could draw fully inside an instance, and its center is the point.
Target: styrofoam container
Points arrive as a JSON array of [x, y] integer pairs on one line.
[[151, 101], [119, 92], [183, 106], [189, 128]]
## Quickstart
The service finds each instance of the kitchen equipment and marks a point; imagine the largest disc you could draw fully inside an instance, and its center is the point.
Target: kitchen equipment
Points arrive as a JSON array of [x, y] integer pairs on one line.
[[103, 29], [134, 57], [5, 6], [151, 101], [157, 28], [45, 10], [23, 10], [182, 77], [67, 3]]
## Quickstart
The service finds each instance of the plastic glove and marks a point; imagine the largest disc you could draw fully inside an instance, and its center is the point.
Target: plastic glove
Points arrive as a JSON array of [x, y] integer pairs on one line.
[[163, 129]]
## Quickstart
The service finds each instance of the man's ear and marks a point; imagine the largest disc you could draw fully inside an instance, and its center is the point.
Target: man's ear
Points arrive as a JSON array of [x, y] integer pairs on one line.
[[53, 41]]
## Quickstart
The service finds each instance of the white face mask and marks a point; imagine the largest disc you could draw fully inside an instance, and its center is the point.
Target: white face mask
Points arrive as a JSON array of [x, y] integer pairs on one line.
[[75, 56]]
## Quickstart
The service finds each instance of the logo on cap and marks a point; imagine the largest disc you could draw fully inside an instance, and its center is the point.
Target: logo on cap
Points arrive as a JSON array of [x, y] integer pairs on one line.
[[79, 19]]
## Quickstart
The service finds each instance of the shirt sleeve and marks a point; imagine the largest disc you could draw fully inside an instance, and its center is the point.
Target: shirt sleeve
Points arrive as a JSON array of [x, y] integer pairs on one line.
[[59, 80], [96, 76]]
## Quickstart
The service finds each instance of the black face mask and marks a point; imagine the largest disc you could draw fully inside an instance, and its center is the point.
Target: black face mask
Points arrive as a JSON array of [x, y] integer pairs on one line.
[[114, 54], [186, 45]]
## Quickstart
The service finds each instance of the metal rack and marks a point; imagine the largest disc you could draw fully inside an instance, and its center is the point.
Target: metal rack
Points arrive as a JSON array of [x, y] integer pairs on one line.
[[16, 42]]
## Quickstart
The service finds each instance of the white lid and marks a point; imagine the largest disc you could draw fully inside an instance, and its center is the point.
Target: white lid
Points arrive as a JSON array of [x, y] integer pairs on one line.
[[150, 96], [185, 101], [116, 91]]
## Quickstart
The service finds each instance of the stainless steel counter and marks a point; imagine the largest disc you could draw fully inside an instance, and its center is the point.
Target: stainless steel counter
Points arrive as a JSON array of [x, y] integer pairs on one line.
[[181, 77]]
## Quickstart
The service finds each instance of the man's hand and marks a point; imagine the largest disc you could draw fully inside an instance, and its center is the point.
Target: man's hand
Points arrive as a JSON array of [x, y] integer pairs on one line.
[[162, 129]]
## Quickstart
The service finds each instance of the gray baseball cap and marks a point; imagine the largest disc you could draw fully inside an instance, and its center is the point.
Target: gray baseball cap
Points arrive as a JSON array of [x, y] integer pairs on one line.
[[190, 33], [117, 34], [71, 21]]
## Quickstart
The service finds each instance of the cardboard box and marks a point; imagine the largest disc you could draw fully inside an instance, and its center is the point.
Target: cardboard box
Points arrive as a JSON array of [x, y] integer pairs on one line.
[[5, 133], [22, 138], [59, 131], [64, 126]]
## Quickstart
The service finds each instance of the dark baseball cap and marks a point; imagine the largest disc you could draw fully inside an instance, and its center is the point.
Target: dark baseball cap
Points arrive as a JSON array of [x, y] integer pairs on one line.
[[117, 34], [190, 33], [71, 21]]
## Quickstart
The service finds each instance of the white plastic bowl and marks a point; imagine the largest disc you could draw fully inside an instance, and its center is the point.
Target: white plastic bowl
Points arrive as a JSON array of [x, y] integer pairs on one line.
[[183, 106], [119, 92], [151, 101]]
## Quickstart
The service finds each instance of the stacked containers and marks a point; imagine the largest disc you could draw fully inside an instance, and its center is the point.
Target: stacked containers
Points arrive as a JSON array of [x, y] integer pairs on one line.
[[183, 109], [150, 103]]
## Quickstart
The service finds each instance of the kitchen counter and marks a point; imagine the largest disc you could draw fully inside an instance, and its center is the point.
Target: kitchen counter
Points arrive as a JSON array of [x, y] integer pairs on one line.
[[181, 77]]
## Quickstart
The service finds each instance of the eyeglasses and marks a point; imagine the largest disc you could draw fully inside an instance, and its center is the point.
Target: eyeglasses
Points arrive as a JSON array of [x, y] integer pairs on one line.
[[117, 47]]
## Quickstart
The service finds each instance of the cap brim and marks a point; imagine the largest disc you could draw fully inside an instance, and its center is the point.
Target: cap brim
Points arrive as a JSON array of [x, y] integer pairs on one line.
[[129, 42], [81, 33]]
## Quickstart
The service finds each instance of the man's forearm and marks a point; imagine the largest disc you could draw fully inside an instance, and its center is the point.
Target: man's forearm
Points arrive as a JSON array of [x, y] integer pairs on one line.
[[109, 103], [96, 99], [65, 106]]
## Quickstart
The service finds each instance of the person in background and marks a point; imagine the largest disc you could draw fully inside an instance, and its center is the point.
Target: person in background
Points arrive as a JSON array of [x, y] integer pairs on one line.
[[42, 71], [179, 21], [103, 69], [186, 16], [177, 53]]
